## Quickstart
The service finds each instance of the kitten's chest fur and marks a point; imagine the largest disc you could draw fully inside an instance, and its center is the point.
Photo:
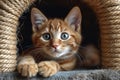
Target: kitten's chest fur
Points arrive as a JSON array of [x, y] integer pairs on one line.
[[65, 63], [40, 55]]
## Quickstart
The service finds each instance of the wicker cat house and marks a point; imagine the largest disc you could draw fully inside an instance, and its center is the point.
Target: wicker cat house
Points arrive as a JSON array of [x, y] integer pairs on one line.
[[108, 15]]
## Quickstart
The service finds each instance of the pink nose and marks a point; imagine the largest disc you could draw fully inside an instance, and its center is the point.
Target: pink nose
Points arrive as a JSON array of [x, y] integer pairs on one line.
[[55, 46]]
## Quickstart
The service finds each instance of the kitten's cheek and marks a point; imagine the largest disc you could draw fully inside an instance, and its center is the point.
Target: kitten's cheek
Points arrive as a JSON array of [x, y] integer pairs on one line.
[[52, 49], [47, 49]]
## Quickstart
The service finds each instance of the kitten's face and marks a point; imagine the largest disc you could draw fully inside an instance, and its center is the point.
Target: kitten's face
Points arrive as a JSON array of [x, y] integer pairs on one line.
[[56, 37]]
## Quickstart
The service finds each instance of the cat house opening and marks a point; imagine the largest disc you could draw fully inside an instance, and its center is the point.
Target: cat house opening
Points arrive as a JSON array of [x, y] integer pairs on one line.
[[59, 9], [90, 30]]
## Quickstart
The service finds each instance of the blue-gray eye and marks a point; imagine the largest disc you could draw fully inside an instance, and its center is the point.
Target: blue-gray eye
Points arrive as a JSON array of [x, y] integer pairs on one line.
[[64, 36], [46, 36]]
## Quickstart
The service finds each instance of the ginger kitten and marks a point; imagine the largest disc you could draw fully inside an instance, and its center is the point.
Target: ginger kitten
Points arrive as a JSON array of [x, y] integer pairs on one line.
[[56, 43]]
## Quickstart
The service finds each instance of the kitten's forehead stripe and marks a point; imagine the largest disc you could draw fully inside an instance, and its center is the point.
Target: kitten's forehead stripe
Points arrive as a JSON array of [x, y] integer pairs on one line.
[[47, 29], [56, 25], [58, 28], [64, 29]]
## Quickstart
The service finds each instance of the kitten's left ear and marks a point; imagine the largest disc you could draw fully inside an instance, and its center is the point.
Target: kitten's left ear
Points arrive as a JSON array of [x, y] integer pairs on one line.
[[37, 19], [74, 18]]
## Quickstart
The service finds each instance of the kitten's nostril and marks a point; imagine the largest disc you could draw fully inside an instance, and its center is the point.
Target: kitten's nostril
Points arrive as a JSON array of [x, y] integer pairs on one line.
[[55, 46]]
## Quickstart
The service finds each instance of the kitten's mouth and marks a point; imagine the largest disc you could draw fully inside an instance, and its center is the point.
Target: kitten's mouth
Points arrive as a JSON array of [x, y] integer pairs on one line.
[[56, 52]]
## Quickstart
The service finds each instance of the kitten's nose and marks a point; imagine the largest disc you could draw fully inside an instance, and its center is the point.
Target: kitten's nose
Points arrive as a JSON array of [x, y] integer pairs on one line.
[[55, 46]]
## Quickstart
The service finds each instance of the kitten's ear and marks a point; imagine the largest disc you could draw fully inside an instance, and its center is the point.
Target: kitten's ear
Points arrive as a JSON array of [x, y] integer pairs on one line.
[[74, 18], [37, 19]]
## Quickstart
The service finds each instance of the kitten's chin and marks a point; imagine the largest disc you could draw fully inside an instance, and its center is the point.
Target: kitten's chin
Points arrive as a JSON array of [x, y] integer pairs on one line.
[[61, 55], [55, 54]]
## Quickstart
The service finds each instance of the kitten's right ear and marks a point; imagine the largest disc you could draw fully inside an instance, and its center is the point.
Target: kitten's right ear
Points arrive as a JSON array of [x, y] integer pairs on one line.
[[37, 19], [74, 19]]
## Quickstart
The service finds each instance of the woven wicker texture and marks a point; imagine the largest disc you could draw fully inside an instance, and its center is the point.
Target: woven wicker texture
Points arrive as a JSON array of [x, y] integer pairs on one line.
[[10, 11], [108, 14]]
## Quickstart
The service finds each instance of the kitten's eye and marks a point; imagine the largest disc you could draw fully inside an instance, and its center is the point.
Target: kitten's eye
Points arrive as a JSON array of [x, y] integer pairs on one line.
[[64, 36], [46, 36]]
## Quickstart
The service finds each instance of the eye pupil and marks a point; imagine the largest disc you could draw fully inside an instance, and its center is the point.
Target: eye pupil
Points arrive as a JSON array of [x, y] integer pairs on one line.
[[46, 36], [64, 36]]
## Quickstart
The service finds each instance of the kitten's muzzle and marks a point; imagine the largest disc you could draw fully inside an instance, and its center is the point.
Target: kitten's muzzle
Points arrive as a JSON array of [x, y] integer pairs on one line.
[[55, 46]]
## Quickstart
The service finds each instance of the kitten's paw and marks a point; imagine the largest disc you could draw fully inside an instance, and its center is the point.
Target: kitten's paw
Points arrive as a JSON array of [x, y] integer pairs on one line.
[[48, 68], [27, 70]]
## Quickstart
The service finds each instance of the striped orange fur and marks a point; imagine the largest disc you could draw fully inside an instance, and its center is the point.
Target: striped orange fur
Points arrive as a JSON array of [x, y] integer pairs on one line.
[[56, 43]]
